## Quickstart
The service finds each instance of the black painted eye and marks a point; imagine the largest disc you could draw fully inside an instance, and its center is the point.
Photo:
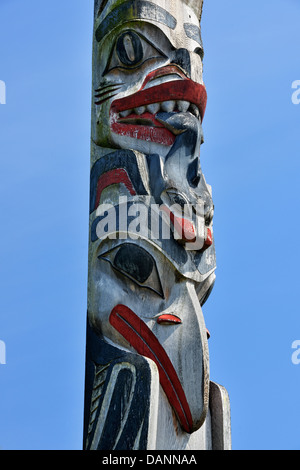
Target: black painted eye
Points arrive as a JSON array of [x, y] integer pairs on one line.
[[131, 50], [135, 263]]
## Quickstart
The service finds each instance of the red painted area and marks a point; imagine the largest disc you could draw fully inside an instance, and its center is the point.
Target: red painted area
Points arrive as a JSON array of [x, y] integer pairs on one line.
[[118, 175], [168, 319], [145, 126], [209, 239], [176, 90], [184, 228], [137, 333], [150, 133]]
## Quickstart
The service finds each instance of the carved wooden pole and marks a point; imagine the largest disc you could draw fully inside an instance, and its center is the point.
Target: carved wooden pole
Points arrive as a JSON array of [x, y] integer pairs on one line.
[[151, 251]]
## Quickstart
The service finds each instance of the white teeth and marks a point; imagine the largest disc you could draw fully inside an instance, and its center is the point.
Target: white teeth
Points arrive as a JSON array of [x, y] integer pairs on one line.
[[126, 113], [168, 106], [153, 108], [183, 106], [195, 110], [140, 110]]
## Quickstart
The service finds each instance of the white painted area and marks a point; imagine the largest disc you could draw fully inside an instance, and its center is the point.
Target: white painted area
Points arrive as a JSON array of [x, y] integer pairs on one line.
[[2, 353], [2, 92]]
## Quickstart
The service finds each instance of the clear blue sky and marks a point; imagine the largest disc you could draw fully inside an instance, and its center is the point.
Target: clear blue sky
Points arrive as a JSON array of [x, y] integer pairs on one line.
[[250, 157]]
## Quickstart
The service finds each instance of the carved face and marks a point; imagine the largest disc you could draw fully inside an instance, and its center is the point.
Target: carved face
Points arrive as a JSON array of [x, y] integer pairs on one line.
[[147, 61], [140, 301]]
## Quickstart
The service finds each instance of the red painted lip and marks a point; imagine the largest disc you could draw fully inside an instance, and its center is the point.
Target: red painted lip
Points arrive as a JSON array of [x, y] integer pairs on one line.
[[182, 89], [154, 131], [168, 319], [137, 333]]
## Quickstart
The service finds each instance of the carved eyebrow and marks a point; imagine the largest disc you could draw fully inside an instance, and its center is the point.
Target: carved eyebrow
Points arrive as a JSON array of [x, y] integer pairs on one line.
[[134, 10], [193, 32]]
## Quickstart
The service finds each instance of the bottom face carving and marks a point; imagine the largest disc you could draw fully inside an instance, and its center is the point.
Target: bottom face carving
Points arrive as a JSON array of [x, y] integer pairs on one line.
[[142, 303]]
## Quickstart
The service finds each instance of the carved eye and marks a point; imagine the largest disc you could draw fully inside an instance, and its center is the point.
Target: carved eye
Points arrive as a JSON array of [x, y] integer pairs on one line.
[[135, 263], [131, 50]]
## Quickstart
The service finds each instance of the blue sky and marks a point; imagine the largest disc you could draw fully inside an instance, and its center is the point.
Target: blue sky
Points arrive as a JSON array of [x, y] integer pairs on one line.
[[251, 159]]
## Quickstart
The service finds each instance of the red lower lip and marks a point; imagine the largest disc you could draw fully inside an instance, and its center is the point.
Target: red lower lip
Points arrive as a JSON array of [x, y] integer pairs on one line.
[[136, 332], [153, 132], [168, 319], [185, 90]]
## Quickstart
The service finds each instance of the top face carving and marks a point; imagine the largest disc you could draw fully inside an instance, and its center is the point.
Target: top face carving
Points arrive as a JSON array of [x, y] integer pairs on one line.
[[147, 60]]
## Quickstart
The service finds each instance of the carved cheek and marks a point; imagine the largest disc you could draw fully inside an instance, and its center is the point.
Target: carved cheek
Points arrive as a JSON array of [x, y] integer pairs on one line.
[[101, 124]]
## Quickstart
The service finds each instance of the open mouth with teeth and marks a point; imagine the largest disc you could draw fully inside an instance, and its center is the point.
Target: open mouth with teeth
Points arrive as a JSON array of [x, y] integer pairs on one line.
[[164, 90]]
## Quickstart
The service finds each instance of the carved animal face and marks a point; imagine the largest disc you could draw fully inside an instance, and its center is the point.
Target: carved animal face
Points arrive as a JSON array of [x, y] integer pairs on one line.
[[140, 301], [148, 62]]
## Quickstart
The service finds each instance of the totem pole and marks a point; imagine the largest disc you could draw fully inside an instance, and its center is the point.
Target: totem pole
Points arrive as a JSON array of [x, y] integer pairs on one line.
[[151, 247]]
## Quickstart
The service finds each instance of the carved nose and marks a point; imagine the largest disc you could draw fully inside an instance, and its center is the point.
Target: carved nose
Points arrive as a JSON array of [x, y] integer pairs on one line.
[[182, 58]]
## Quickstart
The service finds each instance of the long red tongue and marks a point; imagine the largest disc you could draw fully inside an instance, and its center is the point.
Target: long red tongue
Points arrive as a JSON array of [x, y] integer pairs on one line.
[[137, 333]]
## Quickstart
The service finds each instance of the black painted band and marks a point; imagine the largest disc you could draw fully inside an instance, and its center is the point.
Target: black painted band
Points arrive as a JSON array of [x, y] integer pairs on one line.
[[193, 32], [132, 10]]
